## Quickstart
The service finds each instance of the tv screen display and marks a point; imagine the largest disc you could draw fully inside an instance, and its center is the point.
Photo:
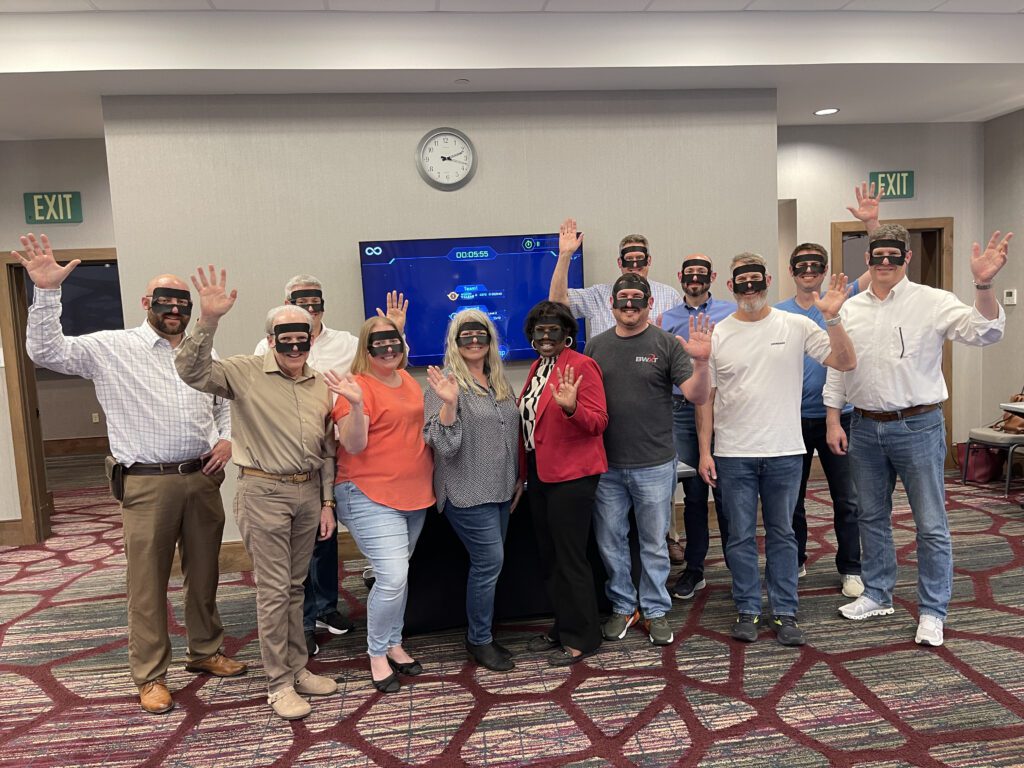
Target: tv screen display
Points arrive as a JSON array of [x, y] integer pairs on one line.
[[503, 276], [90, 299]]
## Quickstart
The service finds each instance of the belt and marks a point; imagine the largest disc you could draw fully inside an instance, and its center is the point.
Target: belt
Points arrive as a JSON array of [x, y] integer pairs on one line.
[[184, 468], [905, 413], [298, 477]]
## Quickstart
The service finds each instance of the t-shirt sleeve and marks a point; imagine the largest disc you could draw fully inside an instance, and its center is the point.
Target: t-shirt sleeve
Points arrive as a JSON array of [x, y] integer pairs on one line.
[[682, 366], [816, 342]]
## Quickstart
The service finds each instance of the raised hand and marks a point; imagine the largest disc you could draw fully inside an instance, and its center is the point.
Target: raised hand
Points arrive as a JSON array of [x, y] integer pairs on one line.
[[214, 300], [830, 302], [984, 265], [397, 306], [40, 264], [867, 202], [344, 386], [568, 387], [445, 387], [699, 345], [568, 241]]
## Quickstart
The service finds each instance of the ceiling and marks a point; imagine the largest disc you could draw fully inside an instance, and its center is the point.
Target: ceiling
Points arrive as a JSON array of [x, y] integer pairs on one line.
[[879, 61]]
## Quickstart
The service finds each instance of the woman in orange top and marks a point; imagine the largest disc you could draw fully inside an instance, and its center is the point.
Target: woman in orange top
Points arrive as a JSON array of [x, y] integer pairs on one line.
[[384, 484]]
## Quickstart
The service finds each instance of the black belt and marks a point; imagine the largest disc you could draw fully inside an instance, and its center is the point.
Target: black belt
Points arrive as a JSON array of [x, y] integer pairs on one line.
[[904, 413], [184, 468]]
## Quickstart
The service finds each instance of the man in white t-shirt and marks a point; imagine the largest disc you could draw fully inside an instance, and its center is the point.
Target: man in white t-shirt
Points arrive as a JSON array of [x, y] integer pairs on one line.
[[757, 365]]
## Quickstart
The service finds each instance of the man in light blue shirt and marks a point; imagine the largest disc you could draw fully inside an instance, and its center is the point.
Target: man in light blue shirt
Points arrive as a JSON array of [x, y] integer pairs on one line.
[[696, 276]]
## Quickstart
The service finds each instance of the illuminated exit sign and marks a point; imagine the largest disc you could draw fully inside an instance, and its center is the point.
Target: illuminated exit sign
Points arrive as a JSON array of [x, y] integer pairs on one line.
[[895, 185], [53, 207]]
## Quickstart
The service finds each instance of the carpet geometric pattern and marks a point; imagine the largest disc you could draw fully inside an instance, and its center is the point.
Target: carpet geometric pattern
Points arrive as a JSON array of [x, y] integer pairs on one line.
[[856, 695]]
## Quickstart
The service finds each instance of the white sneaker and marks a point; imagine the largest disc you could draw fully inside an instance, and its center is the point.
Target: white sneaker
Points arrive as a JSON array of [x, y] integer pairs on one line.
[[802, 572], [929, 631], [853, 586], [864, 608]]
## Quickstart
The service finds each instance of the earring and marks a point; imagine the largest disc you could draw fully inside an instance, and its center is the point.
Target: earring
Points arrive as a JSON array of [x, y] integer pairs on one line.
[[533, 344], [568, 341]]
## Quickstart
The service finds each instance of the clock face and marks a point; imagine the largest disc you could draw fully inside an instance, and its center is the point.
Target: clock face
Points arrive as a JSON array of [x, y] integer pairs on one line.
[[446, 158]]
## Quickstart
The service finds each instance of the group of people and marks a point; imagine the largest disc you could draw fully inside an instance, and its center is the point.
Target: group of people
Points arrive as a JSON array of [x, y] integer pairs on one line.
[[327, 427]]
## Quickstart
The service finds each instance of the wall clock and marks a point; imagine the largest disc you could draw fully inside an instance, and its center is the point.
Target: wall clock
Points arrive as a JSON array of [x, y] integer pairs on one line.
[[446, 159]]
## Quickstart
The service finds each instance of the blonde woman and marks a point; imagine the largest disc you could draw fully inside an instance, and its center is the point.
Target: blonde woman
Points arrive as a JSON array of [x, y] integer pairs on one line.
[[383, 487], [472, 423]]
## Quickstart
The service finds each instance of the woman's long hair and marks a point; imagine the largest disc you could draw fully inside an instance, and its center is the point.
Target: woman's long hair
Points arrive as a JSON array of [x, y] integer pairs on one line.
[[493, 365]]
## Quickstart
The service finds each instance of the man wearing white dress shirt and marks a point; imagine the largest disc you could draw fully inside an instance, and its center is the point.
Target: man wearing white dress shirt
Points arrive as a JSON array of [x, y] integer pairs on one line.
[[171, 443], [897, 429]]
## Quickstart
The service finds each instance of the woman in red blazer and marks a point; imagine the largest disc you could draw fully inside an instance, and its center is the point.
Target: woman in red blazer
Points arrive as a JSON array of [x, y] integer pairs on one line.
[[563, 418]]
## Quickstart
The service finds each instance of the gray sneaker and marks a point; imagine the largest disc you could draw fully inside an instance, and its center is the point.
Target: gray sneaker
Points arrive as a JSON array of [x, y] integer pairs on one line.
[[659, 630], [618, 624]]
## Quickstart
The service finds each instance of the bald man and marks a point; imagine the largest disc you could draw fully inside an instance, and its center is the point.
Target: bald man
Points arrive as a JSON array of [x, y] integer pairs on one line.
[[170, 444]]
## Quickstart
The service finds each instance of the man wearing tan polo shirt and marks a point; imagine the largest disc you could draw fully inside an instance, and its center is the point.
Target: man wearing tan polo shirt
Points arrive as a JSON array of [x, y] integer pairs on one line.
[[283, 444]]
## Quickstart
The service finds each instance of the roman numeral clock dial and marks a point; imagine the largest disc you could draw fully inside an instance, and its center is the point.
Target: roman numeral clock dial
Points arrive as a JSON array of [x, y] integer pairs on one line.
[[446, 159]]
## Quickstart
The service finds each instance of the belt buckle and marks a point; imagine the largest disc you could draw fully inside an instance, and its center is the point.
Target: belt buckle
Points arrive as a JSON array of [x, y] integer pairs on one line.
[[294, 479], [181, 466]]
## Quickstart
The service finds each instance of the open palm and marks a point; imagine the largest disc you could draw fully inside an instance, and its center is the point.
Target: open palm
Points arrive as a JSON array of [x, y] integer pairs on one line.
[[40, 263]]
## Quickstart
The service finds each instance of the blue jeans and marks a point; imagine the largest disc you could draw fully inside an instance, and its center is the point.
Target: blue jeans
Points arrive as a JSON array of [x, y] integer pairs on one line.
[[649, 491], [321, 582], [387, 537], [695, 490], [914, 450], [776, 479], [482, 532]]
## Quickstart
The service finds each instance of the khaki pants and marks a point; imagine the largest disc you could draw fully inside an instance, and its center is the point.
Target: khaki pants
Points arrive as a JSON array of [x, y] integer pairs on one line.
[[279, 522], [159, 511]]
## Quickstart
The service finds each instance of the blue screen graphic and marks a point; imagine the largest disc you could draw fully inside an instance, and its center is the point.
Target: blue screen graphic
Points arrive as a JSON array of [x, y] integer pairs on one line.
[[503, 276]]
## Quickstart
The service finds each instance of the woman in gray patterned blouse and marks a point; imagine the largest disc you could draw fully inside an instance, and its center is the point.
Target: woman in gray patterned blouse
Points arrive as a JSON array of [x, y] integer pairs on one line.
[[472, 423]]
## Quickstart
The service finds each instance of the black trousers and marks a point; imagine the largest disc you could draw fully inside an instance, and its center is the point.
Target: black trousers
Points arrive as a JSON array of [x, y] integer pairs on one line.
[[844, 497], [562, 514]]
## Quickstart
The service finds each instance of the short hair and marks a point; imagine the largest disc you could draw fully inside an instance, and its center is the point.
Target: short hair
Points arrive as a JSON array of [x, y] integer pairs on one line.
[[300, 280], [493, 365], [556, 310], [747, 257], [631, 282], [286, 308], [635, 239], [814, 247], [361, 363], [891, 231]]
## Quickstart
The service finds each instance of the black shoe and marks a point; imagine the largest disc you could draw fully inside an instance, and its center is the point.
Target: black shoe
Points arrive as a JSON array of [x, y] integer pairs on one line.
[[312, 649], [541, 643], [389, 684], [745, 628], [334, 623], [501, 649], [369, 579], [688, 584], [786, 630], [411, 668], [490, 657], [563, 658]]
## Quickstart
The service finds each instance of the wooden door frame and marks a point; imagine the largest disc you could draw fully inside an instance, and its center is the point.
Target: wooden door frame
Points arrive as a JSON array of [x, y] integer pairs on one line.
[[36, 502], [945, 225]]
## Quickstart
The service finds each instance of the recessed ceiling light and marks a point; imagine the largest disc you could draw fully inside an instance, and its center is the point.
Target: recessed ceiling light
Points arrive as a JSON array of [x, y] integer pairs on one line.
[[826, 111], [462, 81]]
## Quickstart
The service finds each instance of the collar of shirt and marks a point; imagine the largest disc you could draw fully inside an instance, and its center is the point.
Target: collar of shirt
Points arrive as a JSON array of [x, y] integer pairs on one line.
[[701, 307], [270, 366], [150, 336], [903, 286]]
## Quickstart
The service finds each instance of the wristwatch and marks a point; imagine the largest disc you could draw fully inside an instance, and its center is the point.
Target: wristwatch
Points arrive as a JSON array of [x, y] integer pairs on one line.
[[330, 503]]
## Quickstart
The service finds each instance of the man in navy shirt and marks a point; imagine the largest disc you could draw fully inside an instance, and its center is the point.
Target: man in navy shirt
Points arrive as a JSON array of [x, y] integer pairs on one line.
[[696, 276], [808, 264]]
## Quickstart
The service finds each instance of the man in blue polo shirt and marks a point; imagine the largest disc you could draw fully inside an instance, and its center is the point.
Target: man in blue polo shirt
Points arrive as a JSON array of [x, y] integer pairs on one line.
[[696, 276], [808, 264]]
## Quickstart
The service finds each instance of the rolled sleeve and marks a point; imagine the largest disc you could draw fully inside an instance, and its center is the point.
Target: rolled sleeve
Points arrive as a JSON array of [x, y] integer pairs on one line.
[[834, 391]]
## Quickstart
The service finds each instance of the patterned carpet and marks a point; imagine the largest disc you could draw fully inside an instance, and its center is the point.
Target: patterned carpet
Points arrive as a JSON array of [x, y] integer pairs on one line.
[[856, 695]]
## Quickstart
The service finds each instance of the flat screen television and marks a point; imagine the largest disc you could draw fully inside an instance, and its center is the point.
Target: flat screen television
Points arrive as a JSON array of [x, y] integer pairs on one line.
[[90, 299], [502, 275]]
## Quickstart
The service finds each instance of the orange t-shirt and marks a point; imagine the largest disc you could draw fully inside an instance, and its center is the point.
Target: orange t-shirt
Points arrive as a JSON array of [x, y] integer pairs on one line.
[[396, 468]]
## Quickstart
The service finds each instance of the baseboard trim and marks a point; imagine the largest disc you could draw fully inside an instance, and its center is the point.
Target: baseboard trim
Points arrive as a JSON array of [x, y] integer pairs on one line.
[[12, 533], [76, 446]]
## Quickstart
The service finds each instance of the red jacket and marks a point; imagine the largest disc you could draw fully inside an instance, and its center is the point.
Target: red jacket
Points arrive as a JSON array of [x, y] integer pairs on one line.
[[569, 447]]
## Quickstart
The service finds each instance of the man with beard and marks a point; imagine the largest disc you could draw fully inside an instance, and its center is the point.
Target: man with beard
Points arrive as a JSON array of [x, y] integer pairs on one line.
[[696, 276], [756, 364], [170, 444], [640, 363]]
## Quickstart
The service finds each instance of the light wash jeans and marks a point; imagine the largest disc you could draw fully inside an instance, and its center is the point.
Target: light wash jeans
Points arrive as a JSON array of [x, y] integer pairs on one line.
[[914, 450], [482, 530], [776, 480], [648, 491], [387, 537]]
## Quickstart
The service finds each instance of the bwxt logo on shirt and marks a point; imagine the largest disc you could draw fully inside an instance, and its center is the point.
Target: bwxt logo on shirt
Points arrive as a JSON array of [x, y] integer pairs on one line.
[[646, 359]]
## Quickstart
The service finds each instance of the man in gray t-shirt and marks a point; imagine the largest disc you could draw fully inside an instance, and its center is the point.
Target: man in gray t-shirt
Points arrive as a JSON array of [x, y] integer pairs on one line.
[[640, 363]]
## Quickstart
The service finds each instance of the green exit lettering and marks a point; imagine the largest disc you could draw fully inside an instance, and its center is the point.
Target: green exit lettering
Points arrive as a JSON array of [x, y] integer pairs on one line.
[[894, 185], [53, 207]]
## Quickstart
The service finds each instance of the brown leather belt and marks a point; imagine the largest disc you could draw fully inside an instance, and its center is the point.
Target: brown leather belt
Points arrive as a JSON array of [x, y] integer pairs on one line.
[[906, 413], [184, 468], [297, 478]]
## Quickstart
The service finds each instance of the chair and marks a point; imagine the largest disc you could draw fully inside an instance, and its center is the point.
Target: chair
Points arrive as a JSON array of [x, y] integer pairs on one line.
[[992, 438]]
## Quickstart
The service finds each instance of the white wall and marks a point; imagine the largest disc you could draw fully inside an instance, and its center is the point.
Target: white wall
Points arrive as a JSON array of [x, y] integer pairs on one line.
[[269, 186], [819, 166]]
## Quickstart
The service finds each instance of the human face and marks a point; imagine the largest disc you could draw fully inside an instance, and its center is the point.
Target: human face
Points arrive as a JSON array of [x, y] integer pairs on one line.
[[885, 275], [289, 359], [692, 288], [476, 351], [631, 318], [634, 262], [548, 339], [168, 315], [808, 282], [753, 302], [311, 304], [385, 365]]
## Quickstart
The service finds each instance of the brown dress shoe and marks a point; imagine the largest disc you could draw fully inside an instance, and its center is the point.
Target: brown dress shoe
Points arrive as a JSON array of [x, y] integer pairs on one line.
[[155, 698], [675, 552], [217, 665]]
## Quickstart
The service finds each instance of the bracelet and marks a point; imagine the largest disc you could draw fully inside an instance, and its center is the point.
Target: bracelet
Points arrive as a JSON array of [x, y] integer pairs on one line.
[[982, 287], [332, 504], [834, 321]]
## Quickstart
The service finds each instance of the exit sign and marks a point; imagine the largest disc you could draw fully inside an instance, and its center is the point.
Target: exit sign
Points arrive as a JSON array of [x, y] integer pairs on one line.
[[53, 207], [894, 185]]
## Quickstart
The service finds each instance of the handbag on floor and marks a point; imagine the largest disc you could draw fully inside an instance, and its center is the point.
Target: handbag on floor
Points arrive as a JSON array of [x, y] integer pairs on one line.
[[984, 465]]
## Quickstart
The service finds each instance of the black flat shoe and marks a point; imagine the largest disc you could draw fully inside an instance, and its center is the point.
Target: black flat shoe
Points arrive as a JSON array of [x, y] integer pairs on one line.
[[541, 643], [411, 668], [389, 684], [489, 656], [562, 658], [501, 649]]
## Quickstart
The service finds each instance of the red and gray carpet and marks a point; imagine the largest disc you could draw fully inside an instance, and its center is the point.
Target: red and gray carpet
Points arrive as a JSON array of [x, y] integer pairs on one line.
[[857, 695]]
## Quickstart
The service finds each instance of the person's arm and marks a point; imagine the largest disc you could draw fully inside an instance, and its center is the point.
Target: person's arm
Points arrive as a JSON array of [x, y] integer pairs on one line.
[[328, 516], [697, 388], [704, 416], [568, 243], [581, 396], [442, 428], [868, 204], [353, 424], [985, 265], [842, 356], [220, 454], [835, 435], [194, 358]]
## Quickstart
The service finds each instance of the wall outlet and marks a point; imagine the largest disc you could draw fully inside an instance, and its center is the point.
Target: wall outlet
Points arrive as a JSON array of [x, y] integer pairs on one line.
[[1010, 297], [95, 418]]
